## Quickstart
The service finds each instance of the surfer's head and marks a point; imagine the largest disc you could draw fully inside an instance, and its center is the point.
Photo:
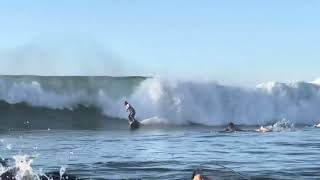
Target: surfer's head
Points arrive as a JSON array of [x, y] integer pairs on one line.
[[125, 102], [231, 125]]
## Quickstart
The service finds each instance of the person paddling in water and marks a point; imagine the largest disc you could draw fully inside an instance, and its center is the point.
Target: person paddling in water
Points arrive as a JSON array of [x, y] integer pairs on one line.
[[131, 111]]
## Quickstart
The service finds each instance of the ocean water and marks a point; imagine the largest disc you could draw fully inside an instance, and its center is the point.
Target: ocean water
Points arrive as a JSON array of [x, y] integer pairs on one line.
[[79, 125], [169, 153]]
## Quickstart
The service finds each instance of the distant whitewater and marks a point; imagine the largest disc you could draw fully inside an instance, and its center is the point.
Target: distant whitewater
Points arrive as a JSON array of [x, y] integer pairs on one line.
[[96, 102]]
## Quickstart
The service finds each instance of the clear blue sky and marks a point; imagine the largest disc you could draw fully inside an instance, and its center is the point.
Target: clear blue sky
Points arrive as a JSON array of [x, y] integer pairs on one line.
[[229, 41]]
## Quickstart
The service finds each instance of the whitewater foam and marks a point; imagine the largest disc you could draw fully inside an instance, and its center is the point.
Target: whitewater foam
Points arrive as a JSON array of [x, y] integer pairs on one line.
[[317, 81], [214, 104]]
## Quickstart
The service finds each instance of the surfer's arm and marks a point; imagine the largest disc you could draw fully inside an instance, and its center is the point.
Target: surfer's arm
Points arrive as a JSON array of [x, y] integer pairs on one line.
[[127, 107]]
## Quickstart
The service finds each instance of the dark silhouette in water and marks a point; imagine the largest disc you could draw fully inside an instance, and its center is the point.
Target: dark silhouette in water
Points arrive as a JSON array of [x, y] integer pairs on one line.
[[11, 175], [232, 128], [133, 125], [56, 176], [197, 176], [3, 162]]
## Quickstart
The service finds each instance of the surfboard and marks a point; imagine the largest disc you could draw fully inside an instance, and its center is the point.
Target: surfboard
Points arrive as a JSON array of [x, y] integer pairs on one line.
[[134, 125]]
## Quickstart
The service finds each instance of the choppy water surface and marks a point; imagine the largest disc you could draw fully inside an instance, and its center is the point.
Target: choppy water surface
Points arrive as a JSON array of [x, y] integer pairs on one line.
[[169, 152]]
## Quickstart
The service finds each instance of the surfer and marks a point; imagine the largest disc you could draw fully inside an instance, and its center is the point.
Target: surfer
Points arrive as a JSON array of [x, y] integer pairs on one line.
[[131, 110], [232, 128], [198, 176]]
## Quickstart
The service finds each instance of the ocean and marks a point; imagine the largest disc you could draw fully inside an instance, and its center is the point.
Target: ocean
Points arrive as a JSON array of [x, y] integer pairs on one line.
[[78, 126]]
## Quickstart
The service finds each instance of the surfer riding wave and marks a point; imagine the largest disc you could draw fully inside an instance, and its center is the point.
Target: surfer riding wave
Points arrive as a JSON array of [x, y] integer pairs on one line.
[[131, 110]]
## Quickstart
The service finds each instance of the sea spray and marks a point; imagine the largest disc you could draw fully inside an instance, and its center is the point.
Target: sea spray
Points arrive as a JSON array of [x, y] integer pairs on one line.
[[283, 125], [280, 126], [21, 169], [62, 171]]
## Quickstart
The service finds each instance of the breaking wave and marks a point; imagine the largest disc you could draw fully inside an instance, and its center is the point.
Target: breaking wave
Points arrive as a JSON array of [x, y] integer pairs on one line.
[[89, 101], [213, 104]]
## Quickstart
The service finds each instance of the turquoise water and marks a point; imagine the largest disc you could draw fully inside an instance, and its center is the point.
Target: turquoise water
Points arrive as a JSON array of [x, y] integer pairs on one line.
[[169, 152]]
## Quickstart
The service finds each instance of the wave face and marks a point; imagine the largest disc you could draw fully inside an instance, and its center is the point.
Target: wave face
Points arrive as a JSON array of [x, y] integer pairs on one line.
[[89, 101], [61, 102]]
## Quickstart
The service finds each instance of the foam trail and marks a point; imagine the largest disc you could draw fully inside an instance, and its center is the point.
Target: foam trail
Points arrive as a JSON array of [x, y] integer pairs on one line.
[[155, 121]]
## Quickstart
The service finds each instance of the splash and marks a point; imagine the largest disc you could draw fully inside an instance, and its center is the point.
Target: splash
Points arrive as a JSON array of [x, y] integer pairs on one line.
[[9, 146], [21, 169], [283, 125], [62, 171], [280, 126]]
